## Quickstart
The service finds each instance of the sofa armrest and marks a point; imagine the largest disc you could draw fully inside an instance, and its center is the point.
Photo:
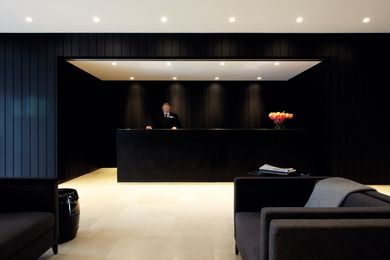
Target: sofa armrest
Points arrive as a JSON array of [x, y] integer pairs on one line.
[[251, 194], [347, 239], [271, 214], [23, 195]]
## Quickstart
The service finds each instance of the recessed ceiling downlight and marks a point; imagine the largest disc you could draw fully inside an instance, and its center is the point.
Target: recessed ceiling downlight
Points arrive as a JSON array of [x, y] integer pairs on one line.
[[299, 19], [96, 19], [174, 78], [258, 78], [366, 20], [232, 19], [216, 78], [164, 19], [28, 19]]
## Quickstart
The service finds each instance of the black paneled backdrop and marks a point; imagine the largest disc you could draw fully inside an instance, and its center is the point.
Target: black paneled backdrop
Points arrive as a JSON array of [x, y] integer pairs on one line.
[[81, 113], [222, 104], [354, 86]]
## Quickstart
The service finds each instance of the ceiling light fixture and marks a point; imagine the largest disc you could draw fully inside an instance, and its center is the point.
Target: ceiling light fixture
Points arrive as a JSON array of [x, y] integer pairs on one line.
[[168, 63], [232, 19], [96, 19], [131, 78], [299, 19], [259, 78], [216, 78], [222, 63], [164, 19], [366, 20], [174, 78], [114, 64], [276, 63], [28, 19]]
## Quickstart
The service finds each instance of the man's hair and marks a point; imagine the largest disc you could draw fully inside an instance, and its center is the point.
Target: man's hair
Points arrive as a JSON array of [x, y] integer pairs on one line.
[[167, 103]]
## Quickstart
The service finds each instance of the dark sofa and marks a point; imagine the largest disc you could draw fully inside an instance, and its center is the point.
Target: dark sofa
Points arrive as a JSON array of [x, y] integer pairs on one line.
[[28, 218], [271, 222]]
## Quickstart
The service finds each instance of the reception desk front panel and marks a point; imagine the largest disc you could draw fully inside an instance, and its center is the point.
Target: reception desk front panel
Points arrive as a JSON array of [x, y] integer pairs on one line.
[[209, 154]]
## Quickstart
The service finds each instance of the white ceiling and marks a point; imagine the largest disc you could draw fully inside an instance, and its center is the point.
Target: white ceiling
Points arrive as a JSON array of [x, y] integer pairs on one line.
[[262, 16], [194, 70]]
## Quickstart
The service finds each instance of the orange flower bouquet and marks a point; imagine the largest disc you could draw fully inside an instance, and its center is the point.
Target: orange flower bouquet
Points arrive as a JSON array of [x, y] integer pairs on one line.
[[279, 118]]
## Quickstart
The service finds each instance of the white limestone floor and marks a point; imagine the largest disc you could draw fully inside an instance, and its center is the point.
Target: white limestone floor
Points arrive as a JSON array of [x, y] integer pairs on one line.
[[150, 221]]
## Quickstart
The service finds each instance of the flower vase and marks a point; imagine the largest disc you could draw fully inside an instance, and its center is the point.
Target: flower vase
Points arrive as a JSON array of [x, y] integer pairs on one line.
[[280, 126]]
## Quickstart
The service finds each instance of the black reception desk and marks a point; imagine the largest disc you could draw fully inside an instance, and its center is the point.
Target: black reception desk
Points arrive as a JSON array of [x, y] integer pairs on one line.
[[208, 154]]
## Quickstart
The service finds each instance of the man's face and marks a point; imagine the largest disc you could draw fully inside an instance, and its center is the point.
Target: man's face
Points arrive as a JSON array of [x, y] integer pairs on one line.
[[166, 108]]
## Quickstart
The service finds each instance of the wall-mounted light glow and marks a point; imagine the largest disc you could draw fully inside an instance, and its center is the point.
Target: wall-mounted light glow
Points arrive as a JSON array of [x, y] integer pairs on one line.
[[232, 19], [259, 78], [168, 63], [299, 19], [216, 78], [132, 78], [114, 64], [276, 63], [96, 19], [164, 19], [366, 20], [174, 78], [222, 63], [28, 19]]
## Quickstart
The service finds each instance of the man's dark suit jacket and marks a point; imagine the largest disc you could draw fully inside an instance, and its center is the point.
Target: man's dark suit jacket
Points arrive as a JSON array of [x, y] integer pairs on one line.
[[166, 122]]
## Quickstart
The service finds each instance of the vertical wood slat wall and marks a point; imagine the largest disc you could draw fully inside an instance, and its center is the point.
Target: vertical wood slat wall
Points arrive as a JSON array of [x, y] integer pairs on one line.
[[354, 85], [201, 104]]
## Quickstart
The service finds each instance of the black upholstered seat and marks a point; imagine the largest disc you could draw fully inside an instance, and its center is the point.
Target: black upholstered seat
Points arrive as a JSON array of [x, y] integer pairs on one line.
[[248, 234], [18, 230]]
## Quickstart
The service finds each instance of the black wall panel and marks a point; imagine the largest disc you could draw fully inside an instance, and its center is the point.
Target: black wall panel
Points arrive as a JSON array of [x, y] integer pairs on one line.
[[354, 85], [210, 104], [81, 122], [2, 108]]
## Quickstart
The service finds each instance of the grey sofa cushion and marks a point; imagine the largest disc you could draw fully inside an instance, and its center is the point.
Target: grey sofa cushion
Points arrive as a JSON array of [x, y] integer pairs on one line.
[[366, 199], [248, 234], [18, 230], [330, 239], [379, 196]]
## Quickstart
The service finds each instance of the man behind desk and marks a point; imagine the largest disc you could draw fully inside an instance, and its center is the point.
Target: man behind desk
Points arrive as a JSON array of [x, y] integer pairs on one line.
[[166, 119]]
